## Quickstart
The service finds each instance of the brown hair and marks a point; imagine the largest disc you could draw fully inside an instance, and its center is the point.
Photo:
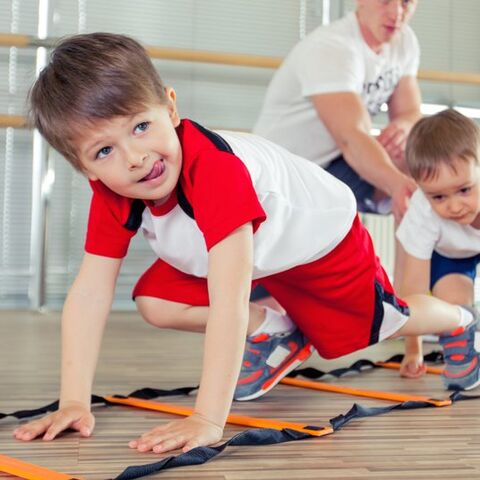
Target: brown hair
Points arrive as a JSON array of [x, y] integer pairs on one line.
[[441, 139], [88, 78]]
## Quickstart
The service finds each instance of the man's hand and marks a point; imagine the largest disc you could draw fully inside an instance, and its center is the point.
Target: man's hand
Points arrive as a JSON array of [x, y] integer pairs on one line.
[[412, 366], [393, 139], [401, 193], [188, 433], [73, 415]]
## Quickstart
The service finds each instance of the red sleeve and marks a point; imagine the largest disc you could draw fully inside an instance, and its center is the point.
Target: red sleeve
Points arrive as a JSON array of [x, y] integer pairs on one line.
[[223, 196], [106, 234]]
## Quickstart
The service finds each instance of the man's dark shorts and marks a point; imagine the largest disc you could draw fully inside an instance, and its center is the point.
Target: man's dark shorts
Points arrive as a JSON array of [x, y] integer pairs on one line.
[[363, 191]]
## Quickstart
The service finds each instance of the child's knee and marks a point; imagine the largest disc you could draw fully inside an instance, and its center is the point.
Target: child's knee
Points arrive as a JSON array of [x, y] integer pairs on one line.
[[455, 288], [158, 312]]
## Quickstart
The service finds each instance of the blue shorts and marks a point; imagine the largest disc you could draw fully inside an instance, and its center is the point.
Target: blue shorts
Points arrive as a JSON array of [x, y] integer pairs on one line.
[[442, 266], [363, 191]]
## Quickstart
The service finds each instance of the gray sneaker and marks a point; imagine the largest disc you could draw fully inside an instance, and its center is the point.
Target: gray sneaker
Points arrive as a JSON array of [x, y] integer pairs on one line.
[[462, 361], [269, 358]]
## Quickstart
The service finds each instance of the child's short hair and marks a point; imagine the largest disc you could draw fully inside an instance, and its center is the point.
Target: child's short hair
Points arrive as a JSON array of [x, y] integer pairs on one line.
[[88, 78], [441, 138]]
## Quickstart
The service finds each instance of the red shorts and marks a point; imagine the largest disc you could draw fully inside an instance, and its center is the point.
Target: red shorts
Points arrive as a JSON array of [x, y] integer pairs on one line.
[[339, 301]]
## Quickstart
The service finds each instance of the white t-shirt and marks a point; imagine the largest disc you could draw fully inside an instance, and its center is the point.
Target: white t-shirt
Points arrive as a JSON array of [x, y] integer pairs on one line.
[[333, 58], [422, 231], [300, 212]]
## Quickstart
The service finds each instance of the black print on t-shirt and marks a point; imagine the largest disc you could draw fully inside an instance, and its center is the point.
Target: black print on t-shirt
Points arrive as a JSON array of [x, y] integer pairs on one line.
[[378, 92]]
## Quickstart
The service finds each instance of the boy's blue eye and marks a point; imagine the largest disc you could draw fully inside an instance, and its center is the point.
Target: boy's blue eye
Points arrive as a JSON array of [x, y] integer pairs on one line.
[[103, 152], [141, 127]]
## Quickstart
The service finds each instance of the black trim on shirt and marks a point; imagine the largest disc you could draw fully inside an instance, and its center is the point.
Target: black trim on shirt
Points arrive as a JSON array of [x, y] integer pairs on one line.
[[221, 145], [134, 219], [214, 137]]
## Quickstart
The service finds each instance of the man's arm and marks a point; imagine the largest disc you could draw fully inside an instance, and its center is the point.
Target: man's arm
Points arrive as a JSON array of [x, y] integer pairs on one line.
[[403, 112], [348, 121], [83, 320]]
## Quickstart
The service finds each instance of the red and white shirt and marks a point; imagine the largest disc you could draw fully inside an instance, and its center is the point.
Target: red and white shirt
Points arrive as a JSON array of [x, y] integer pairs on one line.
[[299, 212]]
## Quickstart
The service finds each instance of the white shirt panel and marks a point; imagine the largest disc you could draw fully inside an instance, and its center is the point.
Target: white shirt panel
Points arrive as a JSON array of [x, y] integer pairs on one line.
[[309, 212]]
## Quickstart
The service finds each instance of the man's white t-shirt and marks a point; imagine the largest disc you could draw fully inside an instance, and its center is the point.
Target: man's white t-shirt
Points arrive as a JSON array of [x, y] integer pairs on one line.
[[333, 58], [423, 231]]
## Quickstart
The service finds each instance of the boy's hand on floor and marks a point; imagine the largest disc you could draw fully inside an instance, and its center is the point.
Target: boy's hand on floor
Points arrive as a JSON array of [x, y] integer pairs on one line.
[[188, 433], [74, 416], [412, 366]]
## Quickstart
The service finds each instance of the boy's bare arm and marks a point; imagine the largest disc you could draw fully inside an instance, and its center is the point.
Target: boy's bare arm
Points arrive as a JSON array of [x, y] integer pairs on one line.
[[416, 280], [229, 283], [83, 320]]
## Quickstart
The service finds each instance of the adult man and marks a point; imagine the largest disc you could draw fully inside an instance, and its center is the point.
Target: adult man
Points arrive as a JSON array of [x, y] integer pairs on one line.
[[321, 101]]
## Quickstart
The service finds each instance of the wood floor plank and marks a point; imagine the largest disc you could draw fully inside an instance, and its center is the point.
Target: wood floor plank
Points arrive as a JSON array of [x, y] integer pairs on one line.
[[435, 443]]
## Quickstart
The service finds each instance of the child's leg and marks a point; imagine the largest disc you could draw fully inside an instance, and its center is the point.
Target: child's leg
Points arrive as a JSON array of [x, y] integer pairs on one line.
[[432, 315], [456, 327], [455, 288], [168, 298], [451, 280], [181, 316]]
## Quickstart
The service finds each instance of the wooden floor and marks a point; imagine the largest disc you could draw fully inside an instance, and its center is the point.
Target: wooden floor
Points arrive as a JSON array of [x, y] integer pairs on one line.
[[437, 443]]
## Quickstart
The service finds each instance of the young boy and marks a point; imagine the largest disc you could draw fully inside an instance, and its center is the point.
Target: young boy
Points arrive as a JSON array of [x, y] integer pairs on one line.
[[441, 229], [218, 210]]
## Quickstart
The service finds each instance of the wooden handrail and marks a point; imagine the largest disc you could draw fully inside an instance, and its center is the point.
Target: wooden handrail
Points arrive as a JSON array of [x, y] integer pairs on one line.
[[15, 121], [449, 77], [245, 60]]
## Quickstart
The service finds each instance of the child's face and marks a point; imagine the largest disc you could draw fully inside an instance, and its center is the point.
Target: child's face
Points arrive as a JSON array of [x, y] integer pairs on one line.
[[454, 195], [137, 156]]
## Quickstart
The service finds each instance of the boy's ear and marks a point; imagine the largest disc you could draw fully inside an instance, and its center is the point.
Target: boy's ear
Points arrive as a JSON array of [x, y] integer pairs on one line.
[[172, 106]]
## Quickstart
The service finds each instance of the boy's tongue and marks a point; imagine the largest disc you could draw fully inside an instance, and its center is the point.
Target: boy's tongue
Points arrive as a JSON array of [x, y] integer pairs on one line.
[[155, 172]]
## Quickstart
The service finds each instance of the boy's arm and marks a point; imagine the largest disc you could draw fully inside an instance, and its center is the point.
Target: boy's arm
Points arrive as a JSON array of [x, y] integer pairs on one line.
[[229, 283], [83, 320], [416, 280]]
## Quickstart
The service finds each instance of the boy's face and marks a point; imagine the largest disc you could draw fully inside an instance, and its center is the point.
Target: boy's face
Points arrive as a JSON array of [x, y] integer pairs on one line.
[[454, 194], [137, 156], [381, 20]]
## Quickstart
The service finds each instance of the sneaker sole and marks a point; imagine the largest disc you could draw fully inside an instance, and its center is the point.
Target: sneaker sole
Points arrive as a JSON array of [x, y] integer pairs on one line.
[[294, 362], [471, 387]]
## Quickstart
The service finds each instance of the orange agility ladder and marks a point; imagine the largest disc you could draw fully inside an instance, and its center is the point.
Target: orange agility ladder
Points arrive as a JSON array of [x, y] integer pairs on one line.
[[396, 366], [232, 419], [29, 471], [392, 396]]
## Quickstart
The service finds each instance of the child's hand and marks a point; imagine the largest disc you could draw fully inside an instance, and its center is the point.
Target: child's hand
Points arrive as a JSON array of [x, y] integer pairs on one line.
[[188, 433], [75, 416], [412, 366]]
